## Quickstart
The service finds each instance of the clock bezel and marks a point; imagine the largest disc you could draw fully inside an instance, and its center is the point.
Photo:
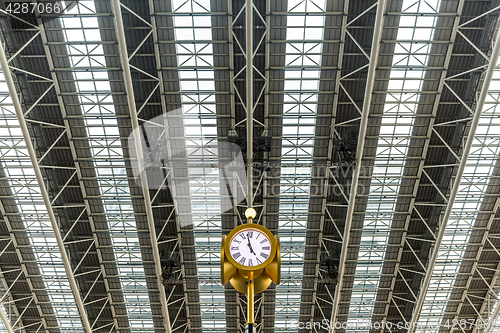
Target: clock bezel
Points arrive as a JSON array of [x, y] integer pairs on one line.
[[242, 228], [244, 231]]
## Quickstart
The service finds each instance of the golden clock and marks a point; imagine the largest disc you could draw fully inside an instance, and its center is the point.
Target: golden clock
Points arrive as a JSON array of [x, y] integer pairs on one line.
[[250, 260], [250, 250]]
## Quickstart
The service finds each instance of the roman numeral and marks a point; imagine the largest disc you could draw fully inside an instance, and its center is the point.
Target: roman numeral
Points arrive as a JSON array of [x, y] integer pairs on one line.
[[259, 262], [263, 241], [242, 261], [266, 248], [263, 255], [250, 262], [258, 235], [237, 241], [236, 255], [242, 236], [234, 248], [250, 234]]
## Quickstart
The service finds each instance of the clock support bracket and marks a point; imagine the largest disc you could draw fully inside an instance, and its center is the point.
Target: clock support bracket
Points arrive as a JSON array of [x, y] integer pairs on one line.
[[247, 280]]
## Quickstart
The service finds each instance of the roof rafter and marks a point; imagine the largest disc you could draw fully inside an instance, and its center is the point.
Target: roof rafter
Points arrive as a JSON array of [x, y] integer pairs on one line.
[[454, 191], [120, 33], [67, 126], [161, 89], [47, 201], [374, 54], [417, 184]]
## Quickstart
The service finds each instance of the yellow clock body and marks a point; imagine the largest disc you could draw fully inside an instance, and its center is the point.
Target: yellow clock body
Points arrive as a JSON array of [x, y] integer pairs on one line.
[[250, 249]]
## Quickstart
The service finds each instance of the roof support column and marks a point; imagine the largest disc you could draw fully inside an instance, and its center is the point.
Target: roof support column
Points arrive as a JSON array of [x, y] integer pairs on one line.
[[127, 77], [43, 190], [454, 191], [249, 106], [377, 34]]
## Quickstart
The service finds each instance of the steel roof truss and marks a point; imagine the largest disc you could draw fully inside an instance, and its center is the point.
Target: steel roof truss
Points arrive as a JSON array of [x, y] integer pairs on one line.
[[44, 192], [453, 194], [379, 22]]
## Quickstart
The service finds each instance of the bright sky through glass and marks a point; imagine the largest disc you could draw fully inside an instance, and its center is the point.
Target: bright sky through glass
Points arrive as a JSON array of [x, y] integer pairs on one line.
[[14, 159], [94, 91], [471, 193], [392, 148], [198, 87], [197, 95], [297, 145]]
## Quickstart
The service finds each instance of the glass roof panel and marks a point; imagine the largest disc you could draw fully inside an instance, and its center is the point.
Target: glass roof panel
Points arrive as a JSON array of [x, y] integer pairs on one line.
[[193, 36], [109, 163], [14, 159], [297, 146], [392, 147], [477, 175], [204, 185]]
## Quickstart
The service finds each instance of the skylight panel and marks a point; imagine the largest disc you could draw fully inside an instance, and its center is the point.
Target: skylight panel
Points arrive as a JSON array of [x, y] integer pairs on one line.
[[111, 173], [297, 142], [204, 201], [21, 178], [394, 139], [465, 211]]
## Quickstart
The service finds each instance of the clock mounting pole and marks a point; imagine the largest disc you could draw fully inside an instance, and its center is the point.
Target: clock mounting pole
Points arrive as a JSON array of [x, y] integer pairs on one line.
[[250, 261], [249, 106], [250, 326], [250, 253], [250, 213]]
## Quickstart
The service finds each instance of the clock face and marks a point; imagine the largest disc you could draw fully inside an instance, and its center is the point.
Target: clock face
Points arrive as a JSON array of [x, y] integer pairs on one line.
[[250, 247]]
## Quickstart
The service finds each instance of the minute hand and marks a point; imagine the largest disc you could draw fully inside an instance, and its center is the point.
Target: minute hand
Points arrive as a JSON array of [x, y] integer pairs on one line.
[[250, 247]]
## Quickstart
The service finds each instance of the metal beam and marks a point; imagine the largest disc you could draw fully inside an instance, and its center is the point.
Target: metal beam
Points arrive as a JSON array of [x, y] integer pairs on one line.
[[377, 33], [421, 165], [127, 77], [81, 186], [249, 85], [161, 88], [454, 191], [6, 322], [270, 293], [43, 190], [330, 150], [22, 263]]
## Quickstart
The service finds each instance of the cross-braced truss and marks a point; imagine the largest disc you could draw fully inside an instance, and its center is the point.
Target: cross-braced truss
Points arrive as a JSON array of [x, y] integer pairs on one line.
[[375, 158]]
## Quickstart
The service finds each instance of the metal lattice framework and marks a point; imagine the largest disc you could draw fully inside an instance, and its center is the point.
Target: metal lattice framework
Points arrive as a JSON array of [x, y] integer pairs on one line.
[[374, 154]]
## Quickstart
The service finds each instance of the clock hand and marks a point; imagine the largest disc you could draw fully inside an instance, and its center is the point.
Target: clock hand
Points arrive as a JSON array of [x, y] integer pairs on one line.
[[251, 249], [250, 246]]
